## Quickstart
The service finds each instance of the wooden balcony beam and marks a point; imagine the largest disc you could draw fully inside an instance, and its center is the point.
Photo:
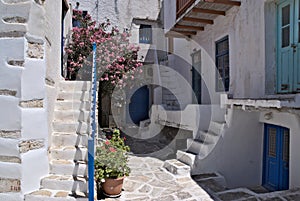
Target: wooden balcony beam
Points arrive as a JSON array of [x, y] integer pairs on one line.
[[178, 26], [227, 2], [182, 6], [208, 11], [200, 20], [187, 33]]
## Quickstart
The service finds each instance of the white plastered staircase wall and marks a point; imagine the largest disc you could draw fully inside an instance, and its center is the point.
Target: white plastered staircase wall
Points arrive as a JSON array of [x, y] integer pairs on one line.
[[68, 151]]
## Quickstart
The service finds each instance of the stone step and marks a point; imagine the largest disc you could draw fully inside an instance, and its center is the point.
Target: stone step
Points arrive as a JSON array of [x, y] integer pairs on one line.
[[217, 113], [75, 85], [208, 137], [65, 183], [168, 81], [66, 167], [211, 182], [11, 196], [69, 153], [72, 105], [78, 127], [177, 168], [74, 96], [216, 127], [52, 195], [186, 158], [197, 147], [71, 115], [218, 178], [65, 139], [167, 73]]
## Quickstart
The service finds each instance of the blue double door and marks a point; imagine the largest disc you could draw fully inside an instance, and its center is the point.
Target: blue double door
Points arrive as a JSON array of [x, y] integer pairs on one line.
[[276, 158]]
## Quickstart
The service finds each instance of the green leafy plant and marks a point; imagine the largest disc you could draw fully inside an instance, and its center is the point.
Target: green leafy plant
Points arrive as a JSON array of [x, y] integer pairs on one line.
[[118, 142], [111, 158]]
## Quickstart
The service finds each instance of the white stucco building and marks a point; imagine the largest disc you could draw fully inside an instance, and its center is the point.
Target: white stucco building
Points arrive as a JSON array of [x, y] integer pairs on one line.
[[246, 54], [228, 73], [30, 61]]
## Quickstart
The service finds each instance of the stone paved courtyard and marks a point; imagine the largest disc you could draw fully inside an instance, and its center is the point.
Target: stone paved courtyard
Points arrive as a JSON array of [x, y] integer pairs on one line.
[[149, 181]]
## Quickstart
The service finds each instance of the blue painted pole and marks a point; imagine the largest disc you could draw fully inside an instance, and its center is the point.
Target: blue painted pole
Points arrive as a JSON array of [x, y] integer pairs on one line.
[[91, 140]]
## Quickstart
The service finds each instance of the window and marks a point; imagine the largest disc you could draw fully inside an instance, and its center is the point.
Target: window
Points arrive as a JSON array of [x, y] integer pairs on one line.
[[145, 34], [222, 65], [76, 22]]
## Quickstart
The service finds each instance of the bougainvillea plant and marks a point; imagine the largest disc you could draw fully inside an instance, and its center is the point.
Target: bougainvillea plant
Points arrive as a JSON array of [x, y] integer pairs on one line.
[[117, 59]]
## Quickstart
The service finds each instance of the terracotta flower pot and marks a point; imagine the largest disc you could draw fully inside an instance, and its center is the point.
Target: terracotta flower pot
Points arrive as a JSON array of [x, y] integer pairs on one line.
[[113, 187]]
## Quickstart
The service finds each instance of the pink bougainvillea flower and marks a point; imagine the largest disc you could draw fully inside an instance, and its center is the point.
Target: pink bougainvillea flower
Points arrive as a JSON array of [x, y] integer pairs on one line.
[[116, 57], [111, 149]]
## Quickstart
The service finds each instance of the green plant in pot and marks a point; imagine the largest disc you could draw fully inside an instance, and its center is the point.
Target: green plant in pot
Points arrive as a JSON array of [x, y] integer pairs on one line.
[[111, 164]]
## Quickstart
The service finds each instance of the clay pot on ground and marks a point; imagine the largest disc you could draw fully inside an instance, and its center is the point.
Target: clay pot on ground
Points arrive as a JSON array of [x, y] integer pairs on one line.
[[112, 187]]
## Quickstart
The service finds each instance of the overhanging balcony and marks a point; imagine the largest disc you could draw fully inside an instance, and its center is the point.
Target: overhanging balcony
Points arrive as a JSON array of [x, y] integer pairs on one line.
[[194, 15]]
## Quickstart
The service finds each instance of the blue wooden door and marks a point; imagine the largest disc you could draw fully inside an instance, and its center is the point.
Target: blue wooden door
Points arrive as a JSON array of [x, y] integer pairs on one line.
[[276, 158], [139, 105], [288, 71], [196, 77]]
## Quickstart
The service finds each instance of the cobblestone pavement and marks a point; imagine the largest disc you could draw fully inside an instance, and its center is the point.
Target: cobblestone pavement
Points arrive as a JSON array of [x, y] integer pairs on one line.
[[149, 181]]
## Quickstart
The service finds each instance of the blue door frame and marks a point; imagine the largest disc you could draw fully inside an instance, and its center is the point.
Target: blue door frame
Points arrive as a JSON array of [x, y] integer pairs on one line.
[[276, 158]]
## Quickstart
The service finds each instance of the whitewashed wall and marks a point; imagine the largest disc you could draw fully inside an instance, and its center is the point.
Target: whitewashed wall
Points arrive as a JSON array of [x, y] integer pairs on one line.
[[120, 12], [251, 48], [30, 70], [128, 14], [245, 26], [169, 14]]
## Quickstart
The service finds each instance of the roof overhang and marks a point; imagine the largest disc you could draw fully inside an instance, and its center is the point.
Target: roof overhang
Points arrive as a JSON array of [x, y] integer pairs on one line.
[[197, 14]]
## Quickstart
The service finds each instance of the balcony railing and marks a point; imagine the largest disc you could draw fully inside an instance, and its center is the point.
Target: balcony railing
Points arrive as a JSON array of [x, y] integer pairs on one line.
[[182, 6]]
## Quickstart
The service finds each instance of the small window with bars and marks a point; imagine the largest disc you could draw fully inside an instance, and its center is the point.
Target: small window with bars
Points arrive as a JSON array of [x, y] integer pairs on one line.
[[272, 143], [222, 65], [145, 34]]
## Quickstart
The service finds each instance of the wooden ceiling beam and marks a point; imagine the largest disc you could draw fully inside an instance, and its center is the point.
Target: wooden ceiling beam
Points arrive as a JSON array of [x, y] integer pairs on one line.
[[178, 26], [200, 20], [188, 33], [175, 35], [227, 2], [209, 11]]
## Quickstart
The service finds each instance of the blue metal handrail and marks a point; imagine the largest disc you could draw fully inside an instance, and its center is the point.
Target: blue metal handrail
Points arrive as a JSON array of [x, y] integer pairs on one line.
[[91, 140]]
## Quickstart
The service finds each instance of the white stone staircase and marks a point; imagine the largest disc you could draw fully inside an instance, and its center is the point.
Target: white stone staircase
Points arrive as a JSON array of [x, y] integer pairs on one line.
[[174, 88], [202, 145], [205, 141], [68, 179]]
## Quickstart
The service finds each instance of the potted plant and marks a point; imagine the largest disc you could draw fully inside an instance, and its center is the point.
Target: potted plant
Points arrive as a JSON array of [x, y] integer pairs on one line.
[[111, 165]]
